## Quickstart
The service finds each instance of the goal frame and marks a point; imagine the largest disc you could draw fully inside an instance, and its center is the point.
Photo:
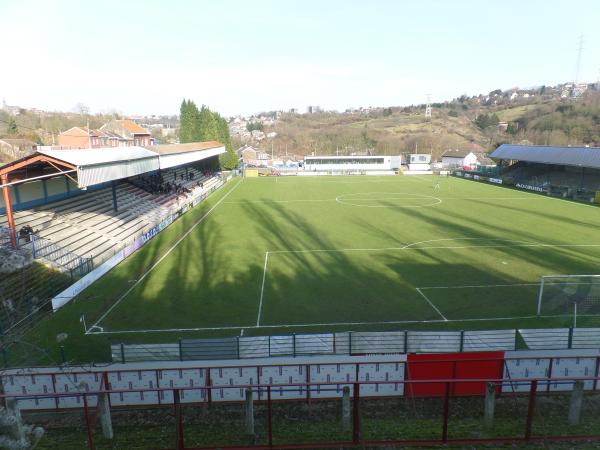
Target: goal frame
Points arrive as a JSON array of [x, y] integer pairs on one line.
[[543, 279]]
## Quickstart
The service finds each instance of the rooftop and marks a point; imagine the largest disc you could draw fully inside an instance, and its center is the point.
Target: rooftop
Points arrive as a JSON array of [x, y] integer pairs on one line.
[[564, 156], [165, 149]]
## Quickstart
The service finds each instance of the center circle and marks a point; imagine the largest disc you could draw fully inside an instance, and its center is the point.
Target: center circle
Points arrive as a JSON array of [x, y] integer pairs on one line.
[[388, 200]]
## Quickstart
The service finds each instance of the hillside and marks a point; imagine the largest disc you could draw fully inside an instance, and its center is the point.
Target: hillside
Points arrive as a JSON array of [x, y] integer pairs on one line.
[[461, 123], [400, 132]]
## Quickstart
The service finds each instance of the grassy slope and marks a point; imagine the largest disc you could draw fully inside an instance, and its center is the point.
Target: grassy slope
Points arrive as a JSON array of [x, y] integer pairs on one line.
[[214, 277], [399, 133]]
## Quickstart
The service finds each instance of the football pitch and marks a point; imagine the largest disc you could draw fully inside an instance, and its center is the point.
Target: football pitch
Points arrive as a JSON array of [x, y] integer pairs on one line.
[[305, 254]]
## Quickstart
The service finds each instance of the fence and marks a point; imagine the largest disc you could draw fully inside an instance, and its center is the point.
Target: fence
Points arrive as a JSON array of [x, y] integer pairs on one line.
[[50, 251], [357, 343], [336, 412]]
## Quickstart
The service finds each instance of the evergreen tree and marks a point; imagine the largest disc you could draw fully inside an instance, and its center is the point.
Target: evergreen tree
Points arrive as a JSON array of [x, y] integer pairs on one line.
[[12, 126], [186, 120], [206, 125]]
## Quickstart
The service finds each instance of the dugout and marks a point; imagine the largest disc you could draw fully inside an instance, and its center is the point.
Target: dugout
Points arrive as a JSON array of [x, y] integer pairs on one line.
[[568, 172]]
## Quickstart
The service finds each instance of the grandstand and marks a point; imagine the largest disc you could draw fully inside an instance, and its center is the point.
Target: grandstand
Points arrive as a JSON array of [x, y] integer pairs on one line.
[[74, 209], [568, 172], [88, 225]]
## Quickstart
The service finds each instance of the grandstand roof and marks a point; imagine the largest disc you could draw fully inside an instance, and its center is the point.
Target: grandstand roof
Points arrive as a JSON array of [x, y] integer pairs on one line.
[[565, 156], [92, 156], [99, 165], [177, 154], [184, 148]]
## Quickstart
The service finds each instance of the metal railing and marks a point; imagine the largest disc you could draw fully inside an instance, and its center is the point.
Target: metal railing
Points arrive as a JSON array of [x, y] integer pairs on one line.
[[359, 343], [41, 248], [265, 419]]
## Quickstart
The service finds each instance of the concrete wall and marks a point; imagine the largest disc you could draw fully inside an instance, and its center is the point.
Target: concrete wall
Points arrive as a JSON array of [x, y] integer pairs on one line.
[[225, 375]]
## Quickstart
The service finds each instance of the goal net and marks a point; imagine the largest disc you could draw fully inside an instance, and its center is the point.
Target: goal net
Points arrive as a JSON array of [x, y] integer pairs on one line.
[[561, 294]]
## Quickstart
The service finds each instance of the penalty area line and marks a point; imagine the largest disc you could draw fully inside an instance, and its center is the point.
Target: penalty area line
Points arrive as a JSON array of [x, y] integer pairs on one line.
[[167, 253], [262, 289], [432, 305]]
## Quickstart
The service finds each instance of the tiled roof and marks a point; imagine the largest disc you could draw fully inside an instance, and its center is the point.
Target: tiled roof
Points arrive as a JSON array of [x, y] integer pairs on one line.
[[132, 127]]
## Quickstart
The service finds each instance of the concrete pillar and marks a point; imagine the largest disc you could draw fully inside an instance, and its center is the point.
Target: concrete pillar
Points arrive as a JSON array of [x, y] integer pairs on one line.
[[105, 417], [576, 403], [249, 412], [114, 195], [346, 416], [16, 429], [490, 404]]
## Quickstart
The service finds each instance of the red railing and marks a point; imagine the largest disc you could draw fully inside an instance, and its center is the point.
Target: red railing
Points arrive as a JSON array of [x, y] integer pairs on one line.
[[89, 418]]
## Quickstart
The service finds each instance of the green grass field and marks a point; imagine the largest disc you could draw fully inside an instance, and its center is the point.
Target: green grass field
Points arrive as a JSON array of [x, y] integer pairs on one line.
[[282, 255]]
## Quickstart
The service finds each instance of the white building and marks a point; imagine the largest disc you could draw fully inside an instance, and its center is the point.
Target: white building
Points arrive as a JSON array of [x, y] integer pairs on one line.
[[452, 159], [419, 162], [352, 163]]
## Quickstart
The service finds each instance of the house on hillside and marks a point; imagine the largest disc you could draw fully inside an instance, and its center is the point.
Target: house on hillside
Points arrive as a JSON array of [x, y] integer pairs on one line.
[[79, 137], [464, 159], [17, 148], [130, 131], [252, 156], [116, 133]]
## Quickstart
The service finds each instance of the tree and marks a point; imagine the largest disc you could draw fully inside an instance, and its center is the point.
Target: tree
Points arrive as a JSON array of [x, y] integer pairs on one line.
[[482, 121], [206, 125], [251, 126], [12, 128], [188, 121]]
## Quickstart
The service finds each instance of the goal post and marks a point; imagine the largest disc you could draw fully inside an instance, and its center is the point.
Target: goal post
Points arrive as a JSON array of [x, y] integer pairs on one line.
[[559, 294]]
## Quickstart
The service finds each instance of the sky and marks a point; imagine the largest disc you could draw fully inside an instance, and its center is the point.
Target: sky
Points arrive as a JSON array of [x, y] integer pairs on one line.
[[243, 57]]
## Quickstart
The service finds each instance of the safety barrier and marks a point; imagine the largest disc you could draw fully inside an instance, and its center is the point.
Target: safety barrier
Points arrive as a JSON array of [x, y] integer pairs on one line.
[[357, 343], [443, 406]]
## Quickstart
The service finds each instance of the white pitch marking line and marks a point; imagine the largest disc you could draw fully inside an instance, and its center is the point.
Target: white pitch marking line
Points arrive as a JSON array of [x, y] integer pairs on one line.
[[479, 286], [280, 201], [331, 324], [432, 248], [432, 305], [344, 200], [337, 199], [262, 289], [167, 253]]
